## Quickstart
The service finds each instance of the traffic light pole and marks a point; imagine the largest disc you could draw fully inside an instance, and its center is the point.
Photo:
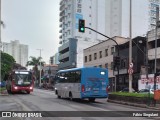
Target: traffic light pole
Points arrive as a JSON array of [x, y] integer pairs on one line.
[[117, 48]]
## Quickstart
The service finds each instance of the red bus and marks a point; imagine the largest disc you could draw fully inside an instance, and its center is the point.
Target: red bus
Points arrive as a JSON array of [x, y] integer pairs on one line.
[[20, 80]]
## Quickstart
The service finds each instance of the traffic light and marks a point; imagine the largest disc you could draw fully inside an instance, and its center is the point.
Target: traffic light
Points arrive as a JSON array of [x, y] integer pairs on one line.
[[81, 25], [116, 61]]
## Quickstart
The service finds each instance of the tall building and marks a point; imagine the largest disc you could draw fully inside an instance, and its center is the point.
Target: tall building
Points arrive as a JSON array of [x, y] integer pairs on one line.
[[93, 11], [17, 50]]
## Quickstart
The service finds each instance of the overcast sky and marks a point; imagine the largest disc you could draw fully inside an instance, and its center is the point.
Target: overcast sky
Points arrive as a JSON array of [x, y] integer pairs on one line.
[[34, 23]]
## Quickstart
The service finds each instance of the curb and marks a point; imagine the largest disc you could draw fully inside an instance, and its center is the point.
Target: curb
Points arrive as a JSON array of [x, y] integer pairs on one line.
[[132, 104], [4, 93]]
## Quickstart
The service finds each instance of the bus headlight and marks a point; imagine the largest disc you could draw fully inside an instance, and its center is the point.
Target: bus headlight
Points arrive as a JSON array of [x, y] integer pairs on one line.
[[15, 87]]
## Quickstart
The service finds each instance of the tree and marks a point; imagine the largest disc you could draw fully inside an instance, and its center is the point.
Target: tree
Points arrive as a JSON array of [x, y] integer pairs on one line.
[[7, 62], [35, 62]]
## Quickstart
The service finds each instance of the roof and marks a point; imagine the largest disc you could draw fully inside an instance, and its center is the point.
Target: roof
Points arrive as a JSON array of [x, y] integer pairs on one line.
[[73, 69]]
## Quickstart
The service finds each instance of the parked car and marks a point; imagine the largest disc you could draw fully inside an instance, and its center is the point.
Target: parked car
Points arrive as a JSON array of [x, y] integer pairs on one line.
[[2, 83], [146, 91], [127, 90]]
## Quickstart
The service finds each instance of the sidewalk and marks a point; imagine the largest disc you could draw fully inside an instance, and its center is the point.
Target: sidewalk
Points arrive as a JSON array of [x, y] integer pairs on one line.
[[157, 107], [3, 93]]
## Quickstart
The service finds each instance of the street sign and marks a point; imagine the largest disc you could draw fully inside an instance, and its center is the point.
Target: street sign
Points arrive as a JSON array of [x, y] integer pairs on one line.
[[131, 65], [130, 71]]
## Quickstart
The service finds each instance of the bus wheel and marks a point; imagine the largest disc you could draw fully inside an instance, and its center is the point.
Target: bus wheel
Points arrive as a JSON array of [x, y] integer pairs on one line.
[[70, 96], [58, 96], [91, 99], [28, 92]]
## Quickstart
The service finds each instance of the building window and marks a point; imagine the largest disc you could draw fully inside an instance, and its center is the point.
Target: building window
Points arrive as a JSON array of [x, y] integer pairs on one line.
[[85, 59], [106, 52], [100, 66], [112, 50], [90, 57], [95, 56], [106, 65], [111, 65], [100, 54]]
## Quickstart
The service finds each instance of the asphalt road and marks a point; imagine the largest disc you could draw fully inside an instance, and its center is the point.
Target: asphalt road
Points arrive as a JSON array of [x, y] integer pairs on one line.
[[44, 100]]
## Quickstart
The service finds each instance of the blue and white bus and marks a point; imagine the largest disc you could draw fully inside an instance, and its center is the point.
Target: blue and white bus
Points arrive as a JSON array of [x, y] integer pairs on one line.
[[89, 82]]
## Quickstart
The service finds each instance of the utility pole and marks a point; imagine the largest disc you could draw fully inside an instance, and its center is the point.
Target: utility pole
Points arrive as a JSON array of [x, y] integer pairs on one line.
[[40, 68], [0, 43], [157, 19], [130, 46]]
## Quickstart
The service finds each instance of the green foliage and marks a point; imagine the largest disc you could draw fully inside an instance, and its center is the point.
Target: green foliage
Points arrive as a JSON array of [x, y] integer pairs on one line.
[[132, 94], [7, 62], [2, 89], [35, 61]]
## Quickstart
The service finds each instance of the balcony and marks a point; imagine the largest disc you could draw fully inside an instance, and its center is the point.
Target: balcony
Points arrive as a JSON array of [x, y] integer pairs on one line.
[[61, 2], [60, 25], [60, 42], [63, 56], [151, 54], [60, 31], [60, 37], [151, 35], [64, 46]]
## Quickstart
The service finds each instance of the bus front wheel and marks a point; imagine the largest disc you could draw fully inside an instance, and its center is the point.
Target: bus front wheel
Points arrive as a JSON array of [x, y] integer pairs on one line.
[[91, 99]]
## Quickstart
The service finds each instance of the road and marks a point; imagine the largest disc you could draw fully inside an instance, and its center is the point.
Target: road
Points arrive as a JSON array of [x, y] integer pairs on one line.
[[44, 100]]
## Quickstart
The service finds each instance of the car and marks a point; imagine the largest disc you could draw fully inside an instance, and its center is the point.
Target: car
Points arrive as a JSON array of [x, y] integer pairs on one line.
[[2, 84], [146, 91], [127, 90]]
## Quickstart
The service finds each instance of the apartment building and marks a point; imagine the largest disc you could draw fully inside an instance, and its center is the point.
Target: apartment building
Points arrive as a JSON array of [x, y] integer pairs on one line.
[[17, 50], [152, 49]]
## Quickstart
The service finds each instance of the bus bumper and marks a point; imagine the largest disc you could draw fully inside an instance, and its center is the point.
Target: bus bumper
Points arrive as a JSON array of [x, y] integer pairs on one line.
[[18, 88]]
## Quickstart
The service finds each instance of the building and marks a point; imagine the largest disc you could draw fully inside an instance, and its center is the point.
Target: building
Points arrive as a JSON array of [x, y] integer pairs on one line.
[[101, 55], [48, 73], [93, 11], [71, 53], [151, 51], [138, 60], [17, 50]]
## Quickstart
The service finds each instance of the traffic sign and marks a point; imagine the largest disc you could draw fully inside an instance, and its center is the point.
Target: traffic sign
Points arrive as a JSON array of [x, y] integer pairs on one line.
[[131, 65], [130, 71]]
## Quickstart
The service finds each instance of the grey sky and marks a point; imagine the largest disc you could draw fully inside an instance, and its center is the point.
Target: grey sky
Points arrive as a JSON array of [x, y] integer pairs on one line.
[[34, 23]]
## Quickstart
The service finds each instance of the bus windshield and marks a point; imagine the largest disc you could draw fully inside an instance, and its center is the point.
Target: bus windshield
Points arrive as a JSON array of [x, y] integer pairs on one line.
[[23, 79]]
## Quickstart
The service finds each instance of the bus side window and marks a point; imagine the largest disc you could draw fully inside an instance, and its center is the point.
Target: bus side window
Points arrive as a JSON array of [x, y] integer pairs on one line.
[[78, 76], [72, 77]]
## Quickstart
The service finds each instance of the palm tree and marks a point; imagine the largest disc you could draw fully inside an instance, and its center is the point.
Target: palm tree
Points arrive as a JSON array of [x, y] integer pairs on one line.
[[35, 62]]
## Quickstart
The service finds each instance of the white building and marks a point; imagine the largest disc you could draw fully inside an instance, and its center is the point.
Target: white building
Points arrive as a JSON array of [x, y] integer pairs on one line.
[[17, 50], [93, 11]]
